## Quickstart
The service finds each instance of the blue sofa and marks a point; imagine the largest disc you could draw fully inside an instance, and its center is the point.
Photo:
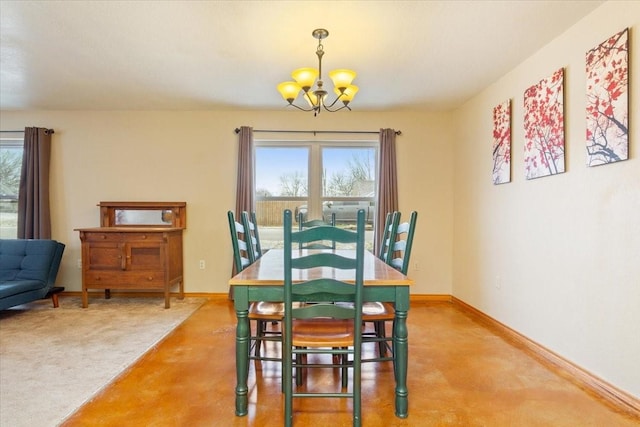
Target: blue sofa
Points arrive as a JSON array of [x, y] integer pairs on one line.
[[28, 270]]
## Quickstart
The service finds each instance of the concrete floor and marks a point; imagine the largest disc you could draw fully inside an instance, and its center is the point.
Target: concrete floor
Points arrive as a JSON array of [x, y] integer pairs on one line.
[[460, 374]]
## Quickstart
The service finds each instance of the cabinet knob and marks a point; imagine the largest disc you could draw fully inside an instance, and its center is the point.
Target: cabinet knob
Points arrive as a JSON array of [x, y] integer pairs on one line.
[[150, 278], [144, 236], [102, 236]]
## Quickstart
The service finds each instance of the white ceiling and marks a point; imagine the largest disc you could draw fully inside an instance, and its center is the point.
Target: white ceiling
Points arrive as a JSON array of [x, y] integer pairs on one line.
[[206, 55]]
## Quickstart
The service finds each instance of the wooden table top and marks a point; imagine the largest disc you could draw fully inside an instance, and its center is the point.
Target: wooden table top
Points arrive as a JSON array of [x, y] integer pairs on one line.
[[269, 270]]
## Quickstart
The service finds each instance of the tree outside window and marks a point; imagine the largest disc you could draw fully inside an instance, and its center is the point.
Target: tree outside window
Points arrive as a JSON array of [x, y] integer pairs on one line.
[[10, 168]]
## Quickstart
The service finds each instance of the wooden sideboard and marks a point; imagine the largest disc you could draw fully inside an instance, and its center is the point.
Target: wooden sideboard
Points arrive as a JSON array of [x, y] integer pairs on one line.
[[125, 254]]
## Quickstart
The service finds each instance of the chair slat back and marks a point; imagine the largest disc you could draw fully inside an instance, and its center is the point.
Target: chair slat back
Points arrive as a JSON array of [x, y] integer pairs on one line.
[[390, 230], [251, 228], [257, 235], [319, 244], [385, 235], [243, 253], [400, 253]]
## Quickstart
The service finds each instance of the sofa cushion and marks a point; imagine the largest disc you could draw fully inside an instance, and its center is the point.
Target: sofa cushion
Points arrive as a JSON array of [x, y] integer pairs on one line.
[[19, 287]]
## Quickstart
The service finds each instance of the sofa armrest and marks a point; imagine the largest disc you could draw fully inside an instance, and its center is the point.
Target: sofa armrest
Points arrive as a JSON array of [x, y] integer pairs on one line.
[[55, 263]]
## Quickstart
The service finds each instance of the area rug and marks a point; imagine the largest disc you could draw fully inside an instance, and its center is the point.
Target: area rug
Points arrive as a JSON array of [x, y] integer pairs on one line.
[[54, 360]]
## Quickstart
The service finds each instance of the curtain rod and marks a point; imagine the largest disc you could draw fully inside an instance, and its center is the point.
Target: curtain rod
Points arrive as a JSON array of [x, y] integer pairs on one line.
[[22, 131], [237, 130]]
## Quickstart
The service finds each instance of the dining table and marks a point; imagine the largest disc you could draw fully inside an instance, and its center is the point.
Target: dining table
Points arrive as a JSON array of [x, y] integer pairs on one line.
[[263, 281]]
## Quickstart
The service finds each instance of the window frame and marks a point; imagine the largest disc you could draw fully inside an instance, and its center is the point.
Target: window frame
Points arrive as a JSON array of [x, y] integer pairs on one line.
[[10, 140], [271, 220], [315, 197]]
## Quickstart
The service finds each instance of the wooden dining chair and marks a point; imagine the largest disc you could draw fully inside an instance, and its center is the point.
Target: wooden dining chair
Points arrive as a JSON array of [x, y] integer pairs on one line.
[[320, 244], [262, 313], [323, 327]]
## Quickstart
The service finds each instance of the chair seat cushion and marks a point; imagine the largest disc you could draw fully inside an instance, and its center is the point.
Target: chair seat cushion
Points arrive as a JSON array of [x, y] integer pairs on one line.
[[322, 332], [269, 310], [266, 310], [374, 310]]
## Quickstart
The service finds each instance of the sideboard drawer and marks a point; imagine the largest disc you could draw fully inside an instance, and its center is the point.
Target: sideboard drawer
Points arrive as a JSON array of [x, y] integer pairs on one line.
[[102, 237], [142, 237], [123, 237], [125, 279]]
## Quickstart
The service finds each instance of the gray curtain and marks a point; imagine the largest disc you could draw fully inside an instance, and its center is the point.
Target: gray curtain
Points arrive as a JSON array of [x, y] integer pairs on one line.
[[244, 188], [387, 182], [244, 191], [34, 215]]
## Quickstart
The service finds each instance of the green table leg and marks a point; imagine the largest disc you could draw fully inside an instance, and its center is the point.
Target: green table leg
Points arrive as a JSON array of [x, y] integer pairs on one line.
[[242, 351], [401, 353]]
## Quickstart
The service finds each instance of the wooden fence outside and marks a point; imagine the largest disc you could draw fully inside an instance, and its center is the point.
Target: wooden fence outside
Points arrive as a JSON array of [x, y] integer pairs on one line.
[[269, 213]]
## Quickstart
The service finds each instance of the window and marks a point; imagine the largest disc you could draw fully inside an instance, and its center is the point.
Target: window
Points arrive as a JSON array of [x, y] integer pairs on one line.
[[316, 180], [10, 168]]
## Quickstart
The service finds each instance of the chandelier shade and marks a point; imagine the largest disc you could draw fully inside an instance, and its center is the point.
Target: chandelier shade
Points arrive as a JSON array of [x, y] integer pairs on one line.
[[347, 94], [309, 81], [289, 90], [342, 78], [305, 77]]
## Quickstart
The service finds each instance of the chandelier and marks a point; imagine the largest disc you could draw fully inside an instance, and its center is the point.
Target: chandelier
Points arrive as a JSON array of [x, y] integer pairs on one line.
[[317, 98]]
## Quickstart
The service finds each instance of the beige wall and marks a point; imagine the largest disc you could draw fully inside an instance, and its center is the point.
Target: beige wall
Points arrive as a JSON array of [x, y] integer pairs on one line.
[[564, 249], [191, 156], [556, 258]]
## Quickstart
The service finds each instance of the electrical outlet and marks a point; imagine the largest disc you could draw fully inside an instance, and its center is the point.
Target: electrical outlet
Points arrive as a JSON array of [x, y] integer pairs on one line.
[[79, 264], [498, 281], [202, 265], [416, 266]]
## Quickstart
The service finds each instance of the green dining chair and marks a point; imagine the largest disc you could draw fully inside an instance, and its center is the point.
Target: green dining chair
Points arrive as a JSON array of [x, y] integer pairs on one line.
[[243, 254], [251, 226], [390, 225], [402, 244], [262, 313], [320, 244], [323, 327], [397, 254], [375, 312]]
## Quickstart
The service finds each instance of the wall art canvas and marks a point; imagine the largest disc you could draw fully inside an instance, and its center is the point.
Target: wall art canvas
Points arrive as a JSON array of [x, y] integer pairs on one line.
[[544, 127], [502, 143], [608, 100]]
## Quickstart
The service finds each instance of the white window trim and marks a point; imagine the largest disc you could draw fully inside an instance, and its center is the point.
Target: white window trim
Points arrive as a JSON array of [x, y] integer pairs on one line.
[[314, 197]]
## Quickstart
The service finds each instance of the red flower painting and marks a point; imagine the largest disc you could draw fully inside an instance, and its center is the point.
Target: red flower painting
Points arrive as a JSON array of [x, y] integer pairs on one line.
[[544, 127], [608, 100], [502, 143]]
